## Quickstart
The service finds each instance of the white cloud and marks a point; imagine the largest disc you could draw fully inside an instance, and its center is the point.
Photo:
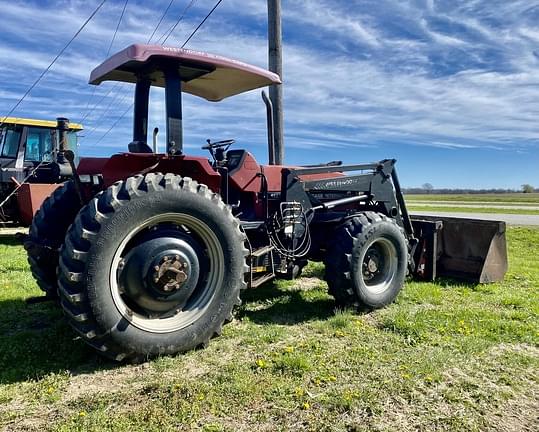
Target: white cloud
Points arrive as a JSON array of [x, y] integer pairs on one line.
[[354, 75]]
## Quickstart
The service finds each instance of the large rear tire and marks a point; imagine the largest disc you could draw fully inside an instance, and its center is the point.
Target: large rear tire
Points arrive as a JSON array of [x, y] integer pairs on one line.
[[366, 264], [47, 233], [153, 265]]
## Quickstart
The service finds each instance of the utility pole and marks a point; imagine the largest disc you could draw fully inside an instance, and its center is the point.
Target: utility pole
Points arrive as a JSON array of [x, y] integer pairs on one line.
[[275, 57]]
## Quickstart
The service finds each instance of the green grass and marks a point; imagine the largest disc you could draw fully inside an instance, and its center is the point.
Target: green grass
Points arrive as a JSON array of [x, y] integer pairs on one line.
[[494, 198], [417, 207], [445, 356]]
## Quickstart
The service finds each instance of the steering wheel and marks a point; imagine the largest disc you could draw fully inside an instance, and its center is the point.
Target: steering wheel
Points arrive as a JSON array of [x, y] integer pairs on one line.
[[218, 144]]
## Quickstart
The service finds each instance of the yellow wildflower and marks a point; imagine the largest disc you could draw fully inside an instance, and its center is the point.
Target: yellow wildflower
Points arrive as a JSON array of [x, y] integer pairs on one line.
[[261, 363]]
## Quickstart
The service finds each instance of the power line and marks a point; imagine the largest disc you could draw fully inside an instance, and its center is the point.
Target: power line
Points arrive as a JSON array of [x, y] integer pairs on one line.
[[54, 61], [203, 21], [115, 123], [118, 84], [117, 27], [100, 100], [169, 32], [160, 21], [187, 40], [108, 52], [119, 99]]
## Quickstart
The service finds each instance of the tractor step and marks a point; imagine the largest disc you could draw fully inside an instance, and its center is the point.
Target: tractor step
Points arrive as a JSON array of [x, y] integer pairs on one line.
[[259, 281], [262, 251], [262, 267]]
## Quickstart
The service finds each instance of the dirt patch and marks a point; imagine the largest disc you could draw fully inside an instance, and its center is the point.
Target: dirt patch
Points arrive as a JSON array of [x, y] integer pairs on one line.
[[519, 415], [515, 348], [132, 377], [106, 381], [308, 283]]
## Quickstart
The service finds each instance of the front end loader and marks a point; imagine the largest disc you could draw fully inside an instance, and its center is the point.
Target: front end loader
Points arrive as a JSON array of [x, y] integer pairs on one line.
[[152, 251]]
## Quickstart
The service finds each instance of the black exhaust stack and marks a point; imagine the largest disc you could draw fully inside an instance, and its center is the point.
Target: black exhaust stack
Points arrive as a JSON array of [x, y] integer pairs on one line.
[[271, 133], [62, 125], [60, 156], [66, 158]]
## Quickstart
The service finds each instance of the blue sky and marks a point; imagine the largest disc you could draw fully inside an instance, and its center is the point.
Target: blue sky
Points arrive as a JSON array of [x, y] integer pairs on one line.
[[448, 88]]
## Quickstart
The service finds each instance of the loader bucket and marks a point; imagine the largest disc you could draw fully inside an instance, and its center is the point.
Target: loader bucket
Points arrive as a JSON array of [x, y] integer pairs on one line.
[[471, 249]]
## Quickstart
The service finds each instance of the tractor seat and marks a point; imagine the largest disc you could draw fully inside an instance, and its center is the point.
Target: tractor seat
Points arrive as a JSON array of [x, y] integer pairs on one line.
[[139, 147]]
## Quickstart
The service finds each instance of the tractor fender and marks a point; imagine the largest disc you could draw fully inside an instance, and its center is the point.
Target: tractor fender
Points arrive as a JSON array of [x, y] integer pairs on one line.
[[123, 165]]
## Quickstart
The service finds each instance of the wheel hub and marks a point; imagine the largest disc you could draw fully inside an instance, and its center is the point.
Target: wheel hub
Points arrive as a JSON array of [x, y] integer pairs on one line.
[[171, 273], [159, 274], [379, 265], [372, 263]]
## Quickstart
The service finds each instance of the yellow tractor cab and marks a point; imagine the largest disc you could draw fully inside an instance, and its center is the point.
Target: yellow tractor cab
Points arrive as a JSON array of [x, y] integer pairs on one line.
[[32, 163]]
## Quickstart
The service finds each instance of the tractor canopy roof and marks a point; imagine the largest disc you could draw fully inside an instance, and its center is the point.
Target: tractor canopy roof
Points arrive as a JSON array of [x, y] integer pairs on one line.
[[209, 76], [36, 123]]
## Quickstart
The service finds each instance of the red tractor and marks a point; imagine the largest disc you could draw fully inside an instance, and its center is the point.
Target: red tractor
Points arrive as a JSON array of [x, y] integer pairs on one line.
[[148, 253]]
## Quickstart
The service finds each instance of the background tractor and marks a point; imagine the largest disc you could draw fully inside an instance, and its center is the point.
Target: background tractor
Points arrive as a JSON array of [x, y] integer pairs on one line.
[[148, 253], [32, 164]]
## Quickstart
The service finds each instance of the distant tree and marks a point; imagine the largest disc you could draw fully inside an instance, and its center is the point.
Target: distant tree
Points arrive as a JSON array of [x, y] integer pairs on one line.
[[428, 187], [527, 188]]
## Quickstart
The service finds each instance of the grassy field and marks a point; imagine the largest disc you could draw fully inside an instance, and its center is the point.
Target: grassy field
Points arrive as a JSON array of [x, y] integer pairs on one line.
[[494, 198], [511, 203], [445, 356], [463, 209]]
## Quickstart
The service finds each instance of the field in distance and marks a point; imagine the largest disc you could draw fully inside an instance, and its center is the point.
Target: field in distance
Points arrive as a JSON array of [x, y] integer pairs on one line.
[[516, 198], [495, 203]]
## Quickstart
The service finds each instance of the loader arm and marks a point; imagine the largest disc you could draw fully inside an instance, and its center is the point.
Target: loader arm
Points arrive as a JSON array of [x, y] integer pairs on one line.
[[375, 185]]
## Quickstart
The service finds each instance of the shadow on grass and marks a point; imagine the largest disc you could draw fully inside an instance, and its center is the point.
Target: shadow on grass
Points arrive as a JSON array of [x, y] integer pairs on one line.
[[10, 240], [455, 282], [35, 341], [284, 307]]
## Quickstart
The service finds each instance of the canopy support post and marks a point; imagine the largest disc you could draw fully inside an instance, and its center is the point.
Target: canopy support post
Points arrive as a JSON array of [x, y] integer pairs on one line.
[[173, 103]]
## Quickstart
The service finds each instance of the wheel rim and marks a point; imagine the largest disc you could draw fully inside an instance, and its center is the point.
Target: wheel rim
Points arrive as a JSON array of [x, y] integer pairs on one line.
[[164, 286], [378, 265]]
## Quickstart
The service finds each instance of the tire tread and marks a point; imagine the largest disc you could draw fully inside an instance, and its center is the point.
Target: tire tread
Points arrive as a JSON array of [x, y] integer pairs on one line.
[[339, 257], [82, 235]]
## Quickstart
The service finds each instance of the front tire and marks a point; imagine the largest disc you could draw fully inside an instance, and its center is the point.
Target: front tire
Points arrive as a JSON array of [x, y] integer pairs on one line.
[[153, 265], [366, 264]]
